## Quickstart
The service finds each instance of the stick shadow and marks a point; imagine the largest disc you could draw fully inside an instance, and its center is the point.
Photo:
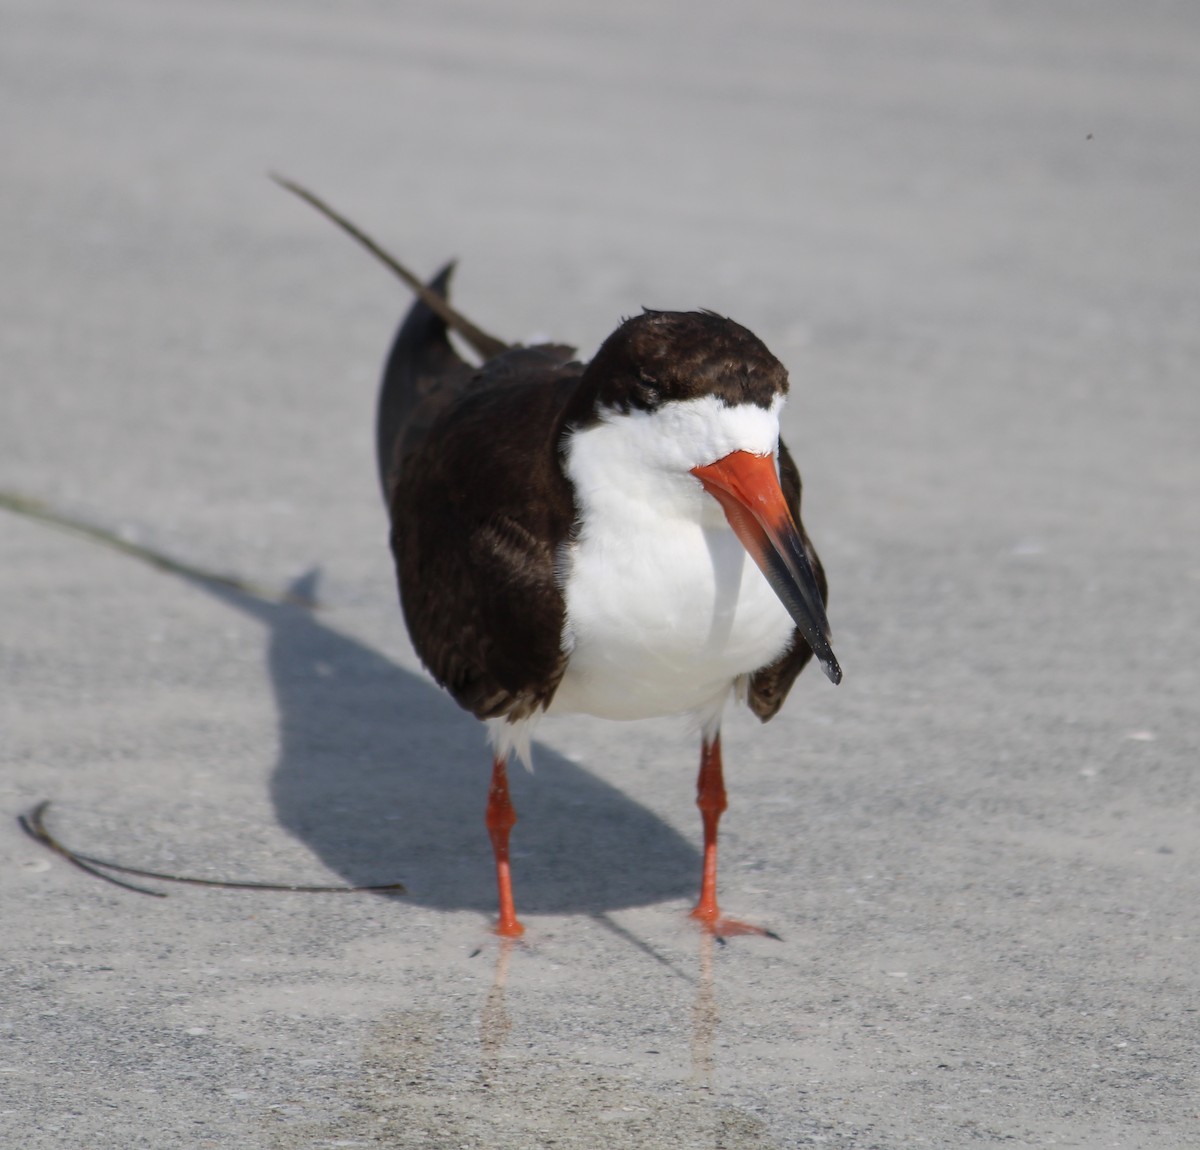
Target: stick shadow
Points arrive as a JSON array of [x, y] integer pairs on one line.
[[384, 778]]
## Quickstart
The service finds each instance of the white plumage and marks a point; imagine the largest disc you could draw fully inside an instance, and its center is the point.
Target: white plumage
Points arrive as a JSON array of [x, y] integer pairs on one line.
[[664, 607]]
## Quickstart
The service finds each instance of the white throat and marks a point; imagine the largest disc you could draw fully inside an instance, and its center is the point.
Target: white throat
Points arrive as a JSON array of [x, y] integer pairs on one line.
[[665, 610]]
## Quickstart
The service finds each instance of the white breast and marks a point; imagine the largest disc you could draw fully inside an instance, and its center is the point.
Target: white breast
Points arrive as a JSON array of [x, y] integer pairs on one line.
[[664, 607]]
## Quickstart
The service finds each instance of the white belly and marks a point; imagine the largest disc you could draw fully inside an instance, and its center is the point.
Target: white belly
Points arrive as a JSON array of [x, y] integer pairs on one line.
[[664, 612]]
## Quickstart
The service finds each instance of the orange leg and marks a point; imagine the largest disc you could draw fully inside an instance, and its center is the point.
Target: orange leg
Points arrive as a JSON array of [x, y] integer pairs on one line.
[[710, 798], [500, 819]]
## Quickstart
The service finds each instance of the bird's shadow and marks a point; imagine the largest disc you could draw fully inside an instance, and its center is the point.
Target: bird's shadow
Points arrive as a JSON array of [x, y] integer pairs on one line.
[[386, 779]]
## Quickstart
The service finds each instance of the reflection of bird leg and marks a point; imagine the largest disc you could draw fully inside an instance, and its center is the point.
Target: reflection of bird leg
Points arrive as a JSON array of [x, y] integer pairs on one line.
[[494, 1022], [704, 1017]]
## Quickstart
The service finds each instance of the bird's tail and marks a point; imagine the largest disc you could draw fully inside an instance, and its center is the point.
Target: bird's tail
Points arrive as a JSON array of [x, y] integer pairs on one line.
[[421, 362]]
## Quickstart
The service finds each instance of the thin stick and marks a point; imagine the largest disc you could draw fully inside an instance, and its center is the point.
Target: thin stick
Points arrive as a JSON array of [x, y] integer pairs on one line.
[[35, 828], [43, 513], [33, 824], [488, 346]]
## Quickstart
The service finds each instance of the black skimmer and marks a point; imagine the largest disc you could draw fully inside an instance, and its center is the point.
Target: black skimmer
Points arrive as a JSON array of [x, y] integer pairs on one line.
[[574, 538], [621, 538]]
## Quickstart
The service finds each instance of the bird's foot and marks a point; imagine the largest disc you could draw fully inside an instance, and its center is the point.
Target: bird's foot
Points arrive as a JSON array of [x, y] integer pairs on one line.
[[712, 922], [508, 926]]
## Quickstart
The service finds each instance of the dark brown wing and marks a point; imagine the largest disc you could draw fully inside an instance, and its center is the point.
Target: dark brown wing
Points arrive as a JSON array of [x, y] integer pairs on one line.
[[479, 508], [770, 685], [478, 516]]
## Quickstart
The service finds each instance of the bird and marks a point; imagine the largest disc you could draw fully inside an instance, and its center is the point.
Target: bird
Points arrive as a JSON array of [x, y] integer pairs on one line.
[[619, 538]]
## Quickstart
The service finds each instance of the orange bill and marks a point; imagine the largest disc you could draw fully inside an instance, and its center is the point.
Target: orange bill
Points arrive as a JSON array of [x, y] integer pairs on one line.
[[747, 488]]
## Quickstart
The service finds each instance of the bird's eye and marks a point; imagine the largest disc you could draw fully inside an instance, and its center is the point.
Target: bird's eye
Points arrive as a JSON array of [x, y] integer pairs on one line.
[[646, 392]]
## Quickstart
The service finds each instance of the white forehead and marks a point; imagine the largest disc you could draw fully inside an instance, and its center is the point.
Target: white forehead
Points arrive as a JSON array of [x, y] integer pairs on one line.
[[682, 434]]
